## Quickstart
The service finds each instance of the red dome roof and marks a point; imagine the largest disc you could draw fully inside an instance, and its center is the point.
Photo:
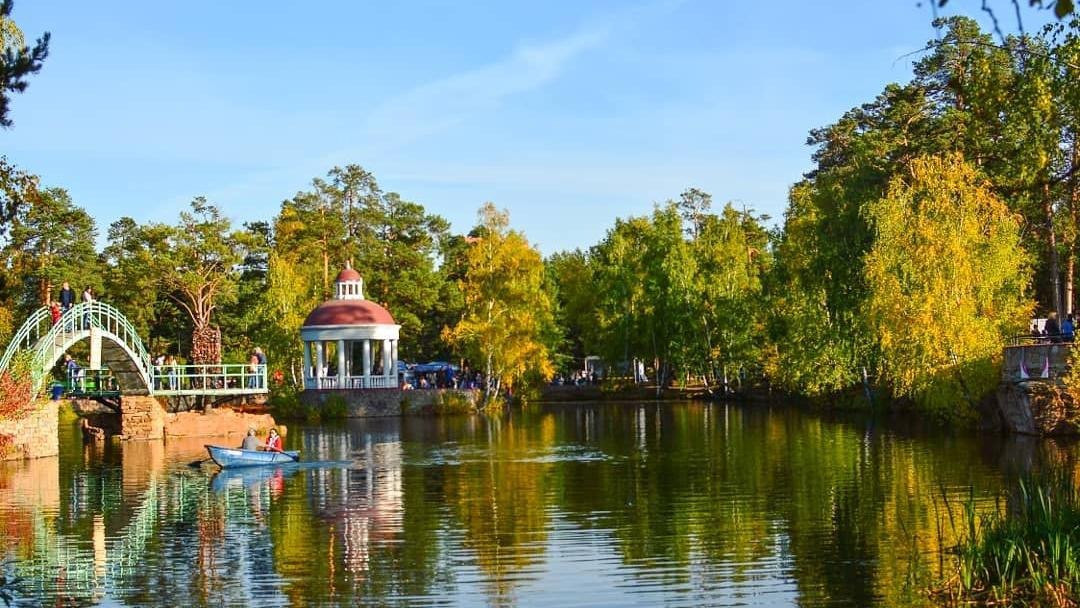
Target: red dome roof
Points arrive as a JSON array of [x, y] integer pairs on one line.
[[349, 312], [347, 274]]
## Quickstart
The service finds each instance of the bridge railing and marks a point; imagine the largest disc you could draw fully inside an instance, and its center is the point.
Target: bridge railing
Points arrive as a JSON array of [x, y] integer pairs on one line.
[[220, 378], [39, 324]]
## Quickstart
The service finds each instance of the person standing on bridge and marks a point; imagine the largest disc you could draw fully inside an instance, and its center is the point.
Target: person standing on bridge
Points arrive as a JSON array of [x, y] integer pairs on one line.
[[173, 373], [87, 296], [253, 371], [262, 366], [67, 297], [54, 312], [74, 372], [273, 441]]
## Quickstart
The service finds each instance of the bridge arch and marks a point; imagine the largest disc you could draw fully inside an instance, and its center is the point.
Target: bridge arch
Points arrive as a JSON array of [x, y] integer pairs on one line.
[[114, 342]]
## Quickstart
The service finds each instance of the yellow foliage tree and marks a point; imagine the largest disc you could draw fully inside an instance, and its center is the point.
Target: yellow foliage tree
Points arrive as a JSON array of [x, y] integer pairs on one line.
[[947, 277], [508, 312]]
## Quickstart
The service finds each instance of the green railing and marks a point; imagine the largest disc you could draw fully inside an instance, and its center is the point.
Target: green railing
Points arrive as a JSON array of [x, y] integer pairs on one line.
[[219, 379], [39, 324]]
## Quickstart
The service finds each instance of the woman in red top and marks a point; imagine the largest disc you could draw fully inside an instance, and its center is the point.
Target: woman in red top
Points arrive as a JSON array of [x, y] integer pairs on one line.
[[273, 442], [54, 312]]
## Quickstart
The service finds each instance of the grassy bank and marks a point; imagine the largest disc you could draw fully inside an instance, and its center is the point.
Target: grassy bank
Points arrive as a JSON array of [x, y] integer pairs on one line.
[[1026, 553]]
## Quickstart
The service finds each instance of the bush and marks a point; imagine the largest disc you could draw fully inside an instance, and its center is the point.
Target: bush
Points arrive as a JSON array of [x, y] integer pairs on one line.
[[285, 404], [16, 389]]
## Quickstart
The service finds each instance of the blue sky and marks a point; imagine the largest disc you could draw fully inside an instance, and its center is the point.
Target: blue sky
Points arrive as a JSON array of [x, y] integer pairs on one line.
[[568, 114]]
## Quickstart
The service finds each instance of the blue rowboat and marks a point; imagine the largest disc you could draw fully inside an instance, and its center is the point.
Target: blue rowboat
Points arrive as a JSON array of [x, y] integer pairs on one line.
[[227, 458]]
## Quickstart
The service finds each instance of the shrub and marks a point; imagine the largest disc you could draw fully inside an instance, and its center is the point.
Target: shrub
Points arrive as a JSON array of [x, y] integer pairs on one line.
[[16, 389]]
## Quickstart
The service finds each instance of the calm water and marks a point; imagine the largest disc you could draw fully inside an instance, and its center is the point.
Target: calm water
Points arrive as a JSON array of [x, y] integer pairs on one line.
[[597, 505]]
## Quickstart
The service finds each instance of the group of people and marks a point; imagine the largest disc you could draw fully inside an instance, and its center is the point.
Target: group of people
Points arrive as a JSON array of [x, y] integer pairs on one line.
[[1053, 331], [577, 378], [168, 364], [251, 441], [67, 301], [443, 379]]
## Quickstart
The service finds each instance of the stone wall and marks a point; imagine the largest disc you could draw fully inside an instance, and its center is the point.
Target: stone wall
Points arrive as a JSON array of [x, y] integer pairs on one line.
[[141, 418], [218, 422], [1034, 358], [35, 435], [387, 402]]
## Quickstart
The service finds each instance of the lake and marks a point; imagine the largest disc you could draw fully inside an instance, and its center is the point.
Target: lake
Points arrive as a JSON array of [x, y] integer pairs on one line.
[[675, 504]]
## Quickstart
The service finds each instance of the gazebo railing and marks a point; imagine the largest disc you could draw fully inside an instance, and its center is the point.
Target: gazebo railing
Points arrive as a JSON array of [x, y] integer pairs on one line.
[[353, 382]]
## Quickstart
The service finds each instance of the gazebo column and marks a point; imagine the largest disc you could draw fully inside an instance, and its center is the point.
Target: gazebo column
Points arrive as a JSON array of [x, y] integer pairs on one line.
[[307, 363], [394, 359], [367, 363], [320, 363], [341, 364], [387, 369]]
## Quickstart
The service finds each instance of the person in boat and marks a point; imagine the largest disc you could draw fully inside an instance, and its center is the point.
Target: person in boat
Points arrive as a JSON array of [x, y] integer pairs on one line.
[[273, 442], [251, 442]]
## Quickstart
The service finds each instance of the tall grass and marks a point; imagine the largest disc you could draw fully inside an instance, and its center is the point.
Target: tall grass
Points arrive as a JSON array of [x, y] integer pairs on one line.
[[1027, 554]]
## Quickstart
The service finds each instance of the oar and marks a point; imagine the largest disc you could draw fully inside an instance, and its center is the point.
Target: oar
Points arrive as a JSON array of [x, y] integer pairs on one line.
[[288, 455], [199, 463]]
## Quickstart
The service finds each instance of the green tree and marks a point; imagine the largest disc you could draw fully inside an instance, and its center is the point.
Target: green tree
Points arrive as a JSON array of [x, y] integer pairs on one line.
[[572, 275], [17, 61], [281, 313], [947, 279], [392, 242], [51, 240], [508, 314], [198, 270]]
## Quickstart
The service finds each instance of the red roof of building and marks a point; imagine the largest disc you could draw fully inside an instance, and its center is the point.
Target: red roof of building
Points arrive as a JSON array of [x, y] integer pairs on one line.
[[347, 274], [349, 312]]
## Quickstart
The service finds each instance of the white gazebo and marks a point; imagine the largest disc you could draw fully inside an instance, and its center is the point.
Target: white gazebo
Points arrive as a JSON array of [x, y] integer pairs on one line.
[[350, 342]]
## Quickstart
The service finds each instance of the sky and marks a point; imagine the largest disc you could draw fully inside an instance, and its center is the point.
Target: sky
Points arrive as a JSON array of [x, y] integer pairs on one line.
[[568, 114]]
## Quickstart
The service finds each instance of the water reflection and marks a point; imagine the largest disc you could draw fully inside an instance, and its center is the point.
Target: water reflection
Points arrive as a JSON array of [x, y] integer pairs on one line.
[[643, 504]]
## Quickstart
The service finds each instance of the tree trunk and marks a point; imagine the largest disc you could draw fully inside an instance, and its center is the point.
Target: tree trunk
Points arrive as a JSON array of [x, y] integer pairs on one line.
[[1051, 241], [1074, 214], [1070, 268]]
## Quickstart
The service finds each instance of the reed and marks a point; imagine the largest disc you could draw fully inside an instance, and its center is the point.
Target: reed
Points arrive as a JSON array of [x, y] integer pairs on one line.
[[1025, 554]]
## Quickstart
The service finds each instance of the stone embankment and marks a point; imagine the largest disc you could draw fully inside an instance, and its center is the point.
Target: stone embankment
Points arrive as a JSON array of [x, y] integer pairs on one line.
[[32, 435], [391, 401], [1031, 398], [144, 418]]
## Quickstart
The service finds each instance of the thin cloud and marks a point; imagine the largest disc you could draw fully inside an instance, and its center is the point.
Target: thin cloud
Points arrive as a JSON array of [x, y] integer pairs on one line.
[[444, 103]]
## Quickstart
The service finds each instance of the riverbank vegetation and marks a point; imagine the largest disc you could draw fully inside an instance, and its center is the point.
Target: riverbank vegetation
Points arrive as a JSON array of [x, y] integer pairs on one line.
[[1029, 556], [935, 220]]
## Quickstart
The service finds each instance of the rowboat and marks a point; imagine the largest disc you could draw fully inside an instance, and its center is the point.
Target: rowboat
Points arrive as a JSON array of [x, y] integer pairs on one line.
[[234, 457]]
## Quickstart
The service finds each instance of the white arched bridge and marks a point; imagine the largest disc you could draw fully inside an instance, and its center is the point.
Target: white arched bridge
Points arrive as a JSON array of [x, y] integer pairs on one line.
[[119, 363]]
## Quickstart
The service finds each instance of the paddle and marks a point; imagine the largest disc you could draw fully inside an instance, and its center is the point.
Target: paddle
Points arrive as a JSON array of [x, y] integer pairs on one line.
[[288, 455], [199, 463]]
